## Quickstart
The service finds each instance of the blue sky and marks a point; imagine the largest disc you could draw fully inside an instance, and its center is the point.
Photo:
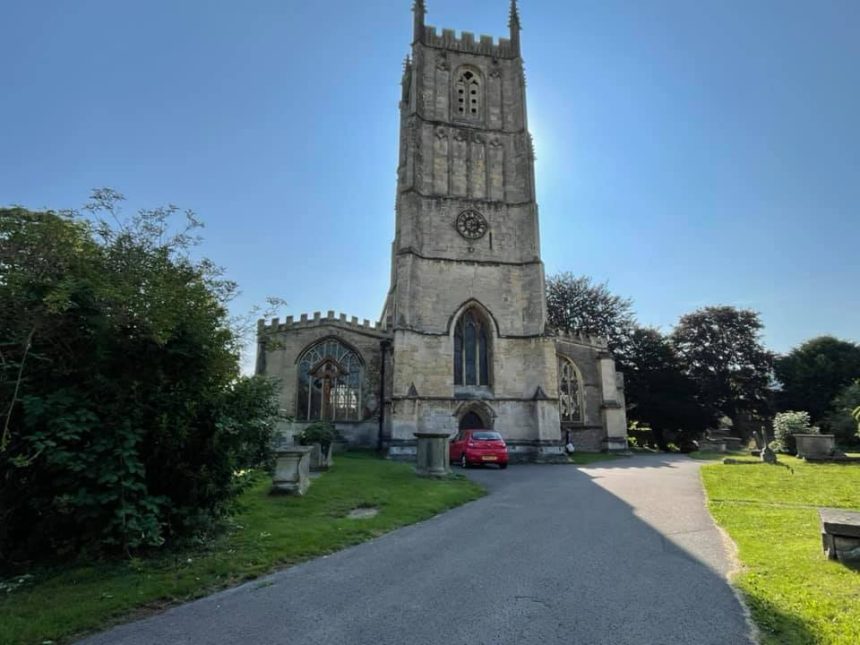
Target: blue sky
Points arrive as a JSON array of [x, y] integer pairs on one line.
[[689, 152]]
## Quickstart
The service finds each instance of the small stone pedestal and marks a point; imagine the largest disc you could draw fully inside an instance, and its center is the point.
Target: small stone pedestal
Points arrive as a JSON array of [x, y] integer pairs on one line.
[[321, 460], [292, 470], [815, 446], [432, 455]]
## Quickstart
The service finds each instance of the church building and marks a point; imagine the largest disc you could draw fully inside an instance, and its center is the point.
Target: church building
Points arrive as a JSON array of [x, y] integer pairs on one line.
[[462, 341]]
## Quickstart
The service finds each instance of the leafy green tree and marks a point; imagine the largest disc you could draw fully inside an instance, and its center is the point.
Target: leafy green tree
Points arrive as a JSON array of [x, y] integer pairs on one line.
[[843, 418], [659, 393], [813, 374], [576, 304], [124, 415], [720, 349]]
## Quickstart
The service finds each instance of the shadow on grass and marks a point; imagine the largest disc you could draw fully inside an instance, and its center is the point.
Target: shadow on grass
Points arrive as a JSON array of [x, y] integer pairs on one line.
[[775, 626]]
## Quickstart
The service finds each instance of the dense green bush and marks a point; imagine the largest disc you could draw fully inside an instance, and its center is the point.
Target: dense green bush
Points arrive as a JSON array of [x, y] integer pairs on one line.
[[785, 426], [124, 418], [321, 432]]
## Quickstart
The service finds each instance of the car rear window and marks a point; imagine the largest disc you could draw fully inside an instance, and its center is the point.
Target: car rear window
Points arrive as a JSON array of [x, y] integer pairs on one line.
[[486, 436]]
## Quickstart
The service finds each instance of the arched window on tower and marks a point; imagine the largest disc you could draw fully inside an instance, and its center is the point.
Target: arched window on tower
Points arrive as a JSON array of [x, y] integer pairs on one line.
[[569, 391], [471, 349], [330, 378], [467, 94]]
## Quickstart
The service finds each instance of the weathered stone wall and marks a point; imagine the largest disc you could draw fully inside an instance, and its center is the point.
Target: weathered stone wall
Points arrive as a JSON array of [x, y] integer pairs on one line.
[[281, 345], [518, 421], [431, 292], [427, 228], [585, 356], [518, 366]]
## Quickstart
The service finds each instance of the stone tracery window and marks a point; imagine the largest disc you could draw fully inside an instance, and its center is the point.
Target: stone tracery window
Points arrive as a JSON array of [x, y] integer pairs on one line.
[[569, 391], [467, 94], [330, 379], [471, 349]]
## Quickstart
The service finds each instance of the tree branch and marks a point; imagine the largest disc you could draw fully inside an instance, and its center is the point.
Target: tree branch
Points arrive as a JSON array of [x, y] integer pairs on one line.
[[4, 440]]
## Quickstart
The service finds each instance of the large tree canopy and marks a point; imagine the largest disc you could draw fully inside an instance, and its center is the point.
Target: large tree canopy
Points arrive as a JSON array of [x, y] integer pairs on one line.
[[843, 418], [721, 350], [576, 304], [659, 393], [124, 417], [813, 374]]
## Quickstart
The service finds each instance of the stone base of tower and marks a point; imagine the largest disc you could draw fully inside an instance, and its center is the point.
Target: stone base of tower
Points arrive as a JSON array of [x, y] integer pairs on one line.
[[519, 451], [530, 427]]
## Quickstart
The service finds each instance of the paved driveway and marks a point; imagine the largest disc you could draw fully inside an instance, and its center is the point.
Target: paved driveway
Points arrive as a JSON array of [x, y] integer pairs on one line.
[[620, 552]]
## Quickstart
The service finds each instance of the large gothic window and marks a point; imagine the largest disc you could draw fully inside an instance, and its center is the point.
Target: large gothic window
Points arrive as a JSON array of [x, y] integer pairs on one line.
[[471, 350], [467, 94], [569, 391], [330, 376]]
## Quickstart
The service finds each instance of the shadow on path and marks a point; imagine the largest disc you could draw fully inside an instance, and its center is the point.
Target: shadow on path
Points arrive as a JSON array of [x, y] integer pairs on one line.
[[554, 554]]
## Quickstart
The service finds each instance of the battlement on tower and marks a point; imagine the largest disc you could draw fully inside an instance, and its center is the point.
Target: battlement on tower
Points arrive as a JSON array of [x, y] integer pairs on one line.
[[317, 319], [466, 42]]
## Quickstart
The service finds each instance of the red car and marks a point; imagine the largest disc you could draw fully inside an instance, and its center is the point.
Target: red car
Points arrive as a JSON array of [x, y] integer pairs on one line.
[[471, 447]]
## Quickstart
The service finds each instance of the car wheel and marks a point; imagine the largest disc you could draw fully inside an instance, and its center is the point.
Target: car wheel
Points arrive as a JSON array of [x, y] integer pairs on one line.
[[503, 466], [463, 462]]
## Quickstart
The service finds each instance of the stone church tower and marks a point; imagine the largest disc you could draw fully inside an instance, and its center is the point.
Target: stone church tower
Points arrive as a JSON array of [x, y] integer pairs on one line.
[[462, 341]]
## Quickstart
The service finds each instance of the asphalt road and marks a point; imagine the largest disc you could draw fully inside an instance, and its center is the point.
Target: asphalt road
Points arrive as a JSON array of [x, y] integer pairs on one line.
[[620, 552]]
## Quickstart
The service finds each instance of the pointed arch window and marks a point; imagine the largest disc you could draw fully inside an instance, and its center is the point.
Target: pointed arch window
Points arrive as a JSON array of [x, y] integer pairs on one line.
[[569, 391], [467, 94], [330, 380], [471, 350]]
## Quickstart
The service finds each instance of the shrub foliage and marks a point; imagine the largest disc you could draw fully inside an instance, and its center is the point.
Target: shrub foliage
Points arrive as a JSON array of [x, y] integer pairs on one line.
[[321, 432], [788, 424], [124, 418]]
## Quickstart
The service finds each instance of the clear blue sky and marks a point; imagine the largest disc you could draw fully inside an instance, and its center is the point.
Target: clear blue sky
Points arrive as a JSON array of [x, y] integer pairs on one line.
[[690, 152]]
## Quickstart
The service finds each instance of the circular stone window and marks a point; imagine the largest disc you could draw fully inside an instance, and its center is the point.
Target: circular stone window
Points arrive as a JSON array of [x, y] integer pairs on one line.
[[471, 224]]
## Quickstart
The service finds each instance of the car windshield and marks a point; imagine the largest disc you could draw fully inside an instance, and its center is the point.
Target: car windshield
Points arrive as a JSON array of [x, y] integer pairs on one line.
[[486, 436]]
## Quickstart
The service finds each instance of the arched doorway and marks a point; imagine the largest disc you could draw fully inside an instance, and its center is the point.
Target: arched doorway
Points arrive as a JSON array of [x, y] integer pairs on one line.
[[472, 421]]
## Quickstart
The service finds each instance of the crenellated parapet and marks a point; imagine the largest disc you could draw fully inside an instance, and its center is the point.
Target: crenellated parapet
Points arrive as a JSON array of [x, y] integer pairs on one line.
[[466, 42], [580, 339], [504, 48], [305, 321]]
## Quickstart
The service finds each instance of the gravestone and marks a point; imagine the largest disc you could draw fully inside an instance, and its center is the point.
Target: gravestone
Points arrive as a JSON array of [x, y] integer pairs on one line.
[[321, 459], [768, 456], [840, 534], [815, 446], [292, 470]]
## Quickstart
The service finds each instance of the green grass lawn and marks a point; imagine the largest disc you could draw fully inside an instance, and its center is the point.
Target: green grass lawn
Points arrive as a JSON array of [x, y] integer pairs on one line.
[[585, 458], [267, 532], [795, 594], [706, 455]]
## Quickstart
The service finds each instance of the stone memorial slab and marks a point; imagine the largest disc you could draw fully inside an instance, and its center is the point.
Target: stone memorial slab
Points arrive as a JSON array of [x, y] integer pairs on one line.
[[840, 534], [292, 470]]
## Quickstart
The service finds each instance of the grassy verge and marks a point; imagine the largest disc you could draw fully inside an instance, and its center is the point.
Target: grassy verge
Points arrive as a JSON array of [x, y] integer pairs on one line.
[[795, 594], [585, 458], [266, 532], [719, 456]]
